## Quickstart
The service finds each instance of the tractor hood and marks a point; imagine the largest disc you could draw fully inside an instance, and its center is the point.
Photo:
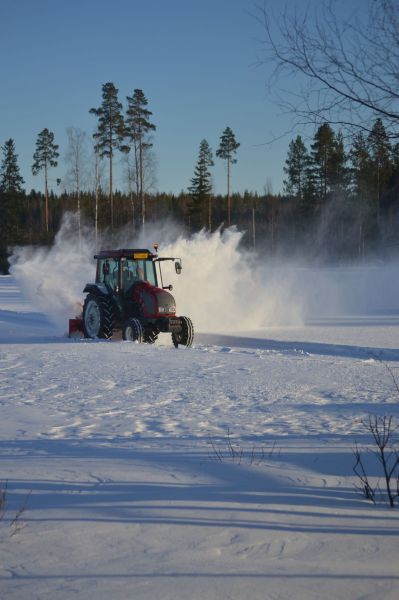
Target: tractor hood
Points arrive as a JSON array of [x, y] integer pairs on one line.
[[153, 301]]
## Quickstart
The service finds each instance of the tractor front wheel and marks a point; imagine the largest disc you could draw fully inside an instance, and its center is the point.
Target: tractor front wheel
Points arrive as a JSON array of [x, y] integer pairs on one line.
[[98, 317], [186, 336], [133, 331]]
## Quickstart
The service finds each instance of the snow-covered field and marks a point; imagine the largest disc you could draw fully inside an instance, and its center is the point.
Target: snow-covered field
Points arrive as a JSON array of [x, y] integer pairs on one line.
[[120, 456]]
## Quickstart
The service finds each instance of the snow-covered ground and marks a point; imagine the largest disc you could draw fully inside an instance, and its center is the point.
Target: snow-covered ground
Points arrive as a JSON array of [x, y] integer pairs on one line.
[[223, 471]]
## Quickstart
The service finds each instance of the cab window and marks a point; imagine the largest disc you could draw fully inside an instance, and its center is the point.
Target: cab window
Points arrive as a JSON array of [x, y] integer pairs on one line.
[[107, 272], [137, 270]]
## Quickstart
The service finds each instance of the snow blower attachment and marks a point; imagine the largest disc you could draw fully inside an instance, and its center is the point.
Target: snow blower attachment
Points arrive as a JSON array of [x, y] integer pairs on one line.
[[126, 297]]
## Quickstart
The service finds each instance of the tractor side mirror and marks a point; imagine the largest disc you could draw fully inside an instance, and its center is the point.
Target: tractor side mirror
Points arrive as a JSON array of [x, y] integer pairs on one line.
[[178, 267]]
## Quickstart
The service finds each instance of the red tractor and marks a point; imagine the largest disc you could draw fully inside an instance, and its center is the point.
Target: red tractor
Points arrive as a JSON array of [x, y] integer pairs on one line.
[[126, 296]]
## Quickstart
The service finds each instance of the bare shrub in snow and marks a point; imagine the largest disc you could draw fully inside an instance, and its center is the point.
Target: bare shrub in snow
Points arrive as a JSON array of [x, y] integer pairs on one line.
[[237, 454], [364, 486], [3, 494], [382, 430], [15, 524]]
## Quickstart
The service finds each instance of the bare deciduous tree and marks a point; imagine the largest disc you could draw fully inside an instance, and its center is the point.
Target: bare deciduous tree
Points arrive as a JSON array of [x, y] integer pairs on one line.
[[132, 184], [136, 183], [76, 158], [98, 175], [347, 66]]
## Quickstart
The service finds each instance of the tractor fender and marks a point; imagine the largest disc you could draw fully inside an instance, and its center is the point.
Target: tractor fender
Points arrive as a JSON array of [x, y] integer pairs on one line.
[[105, 290], [94, 288]]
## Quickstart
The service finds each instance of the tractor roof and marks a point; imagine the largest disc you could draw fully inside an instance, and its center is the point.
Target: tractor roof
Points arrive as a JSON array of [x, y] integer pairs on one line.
[[132, 253]]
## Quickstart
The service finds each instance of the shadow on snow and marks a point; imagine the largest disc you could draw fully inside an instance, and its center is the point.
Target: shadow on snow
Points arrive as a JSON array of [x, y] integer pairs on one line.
[[192, 489]]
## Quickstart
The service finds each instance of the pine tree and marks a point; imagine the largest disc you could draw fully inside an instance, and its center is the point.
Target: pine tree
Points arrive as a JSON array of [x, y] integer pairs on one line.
[[201, 186], [11, 198], [360, 166], [45, 156], [10, 178], [339, 173], [297, 168], [322, 153], [380, 161], [361, 187], [110, 132], [138, 127], [227, 150]]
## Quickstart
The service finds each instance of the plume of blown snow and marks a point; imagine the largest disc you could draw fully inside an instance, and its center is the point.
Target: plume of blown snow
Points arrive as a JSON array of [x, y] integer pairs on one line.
[[53, 277], [221, 287]]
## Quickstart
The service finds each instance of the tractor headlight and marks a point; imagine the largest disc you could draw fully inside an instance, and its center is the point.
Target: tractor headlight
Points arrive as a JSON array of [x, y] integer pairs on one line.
[[167, 309]]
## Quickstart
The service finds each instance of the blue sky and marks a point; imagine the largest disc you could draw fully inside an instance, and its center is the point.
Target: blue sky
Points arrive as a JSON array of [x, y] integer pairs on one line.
[[194, 60]]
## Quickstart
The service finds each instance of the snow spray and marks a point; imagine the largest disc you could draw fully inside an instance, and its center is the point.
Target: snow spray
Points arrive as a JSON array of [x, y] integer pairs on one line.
[[53, 278], [221, 287]]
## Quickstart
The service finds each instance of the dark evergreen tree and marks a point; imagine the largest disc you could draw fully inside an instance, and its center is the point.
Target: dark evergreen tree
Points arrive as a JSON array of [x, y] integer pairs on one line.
[[12, 225], [394, 204], [10, 178], [380, 161], [201, 188], [301, 186], [339, 176], [323, 152], [297, 169], [360, 166], [364, 214], [226, 151], [138, 128], [45, 156], [110, 132]]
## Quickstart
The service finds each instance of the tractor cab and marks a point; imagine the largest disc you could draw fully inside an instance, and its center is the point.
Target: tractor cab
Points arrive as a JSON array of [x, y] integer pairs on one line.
[[120, 269], [121, 272]]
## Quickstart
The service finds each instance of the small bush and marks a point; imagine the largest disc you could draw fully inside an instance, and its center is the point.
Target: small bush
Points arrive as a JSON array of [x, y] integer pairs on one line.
[[234, 452], [382, 430], [15, 524]]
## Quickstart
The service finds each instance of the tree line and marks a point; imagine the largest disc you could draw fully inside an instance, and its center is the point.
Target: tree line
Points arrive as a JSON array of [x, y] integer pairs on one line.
[[33, 218], [339, 201], [349, 195]]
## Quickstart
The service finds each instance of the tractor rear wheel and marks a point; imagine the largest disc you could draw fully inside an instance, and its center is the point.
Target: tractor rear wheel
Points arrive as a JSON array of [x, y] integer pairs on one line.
[[186, 336], [133, 331], [98, 317]]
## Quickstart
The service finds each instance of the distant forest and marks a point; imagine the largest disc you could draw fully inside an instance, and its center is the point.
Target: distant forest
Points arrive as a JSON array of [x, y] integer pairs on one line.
[[340, 200]]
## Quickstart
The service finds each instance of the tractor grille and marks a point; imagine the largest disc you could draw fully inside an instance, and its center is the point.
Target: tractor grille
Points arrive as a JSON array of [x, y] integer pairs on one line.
[[174, 325], [169, 324]]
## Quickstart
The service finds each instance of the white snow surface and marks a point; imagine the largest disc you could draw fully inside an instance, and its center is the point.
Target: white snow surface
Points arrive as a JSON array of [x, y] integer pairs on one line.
[[223, 471]]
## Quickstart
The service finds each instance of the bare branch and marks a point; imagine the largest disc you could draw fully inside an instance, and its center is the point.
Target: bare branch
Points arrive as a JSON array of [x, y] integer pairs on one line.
[[367, 490], [347, 68]]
